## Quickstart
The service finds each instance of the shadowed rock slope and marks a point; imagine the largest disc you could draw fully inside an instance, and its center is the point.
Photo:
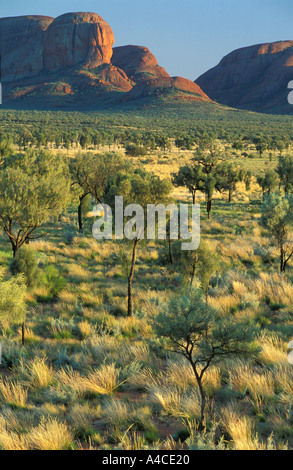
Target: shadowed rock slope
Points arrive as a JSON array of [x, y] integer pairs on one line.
[[254, 78]]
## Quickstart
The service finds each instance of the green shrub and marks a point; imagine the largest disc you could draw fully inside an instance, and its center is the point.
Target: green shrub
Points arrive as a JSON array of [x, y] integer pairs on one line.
[[69, 235], [54, 280], [26, 263], [135, 150]]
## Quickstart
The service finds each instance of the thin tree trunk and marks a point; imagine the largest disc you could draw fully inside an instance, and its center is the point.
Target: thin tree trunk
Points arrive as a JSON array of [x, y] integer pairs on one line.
[[202, 395], [230, 195], [282, 260], [130, 277], [80, 223], [209, 208], [22, 332], [170, 251], [192, 274], [203, 405]]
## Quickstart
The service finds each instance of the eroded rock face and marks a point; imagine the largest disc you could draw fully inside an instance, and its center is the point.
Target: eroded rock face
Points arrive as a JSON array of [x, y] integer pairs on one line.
[[74, 38], [254, 78], [33, 44], [138, 62], [70, 61], [21, 46]]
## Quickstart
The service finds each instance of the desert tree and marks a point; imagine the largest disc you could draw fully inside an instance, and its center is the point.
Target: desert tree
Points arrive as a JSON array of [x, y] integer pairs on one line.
[[228, 174], [6, 147], [186, 262], [185, 142], [277, 217], [199, 176], [141, 188], [201, 264], [133, 150], [208, 158], [209, 188], [34, 187], [209, 161], [278, 144], [196, 331], [285, 172], [246, 177], [206, 141], [268, 182], [189, 177], [208, 266], [238, 145], [89, 174], [261, 144], [25, 138], [163, 142]]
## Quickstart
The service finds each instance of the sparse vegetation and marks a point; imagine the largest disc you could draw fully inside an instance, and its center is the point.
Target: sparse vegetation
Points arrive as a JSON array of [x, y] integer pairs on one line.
[[88, 375]]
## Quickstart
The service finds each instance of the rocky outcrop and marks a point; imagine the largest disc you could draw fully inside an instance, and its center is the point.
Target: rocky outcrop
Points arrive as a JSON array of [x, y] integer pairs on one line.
[[254, 78], [30, 45], [138, 62], [70, 61], [167, 84], [76, 38], [21, 46]]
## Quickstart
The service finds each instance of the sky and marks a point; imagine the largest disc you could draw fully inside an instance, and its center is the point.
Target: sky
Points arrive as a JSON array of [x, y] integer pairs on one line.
[[188, 37]]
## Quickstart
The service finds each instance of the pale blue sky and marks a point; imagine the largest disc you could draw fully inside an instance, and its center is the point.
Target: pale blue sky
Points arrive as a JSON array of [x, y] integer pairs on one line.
[[187, 36]]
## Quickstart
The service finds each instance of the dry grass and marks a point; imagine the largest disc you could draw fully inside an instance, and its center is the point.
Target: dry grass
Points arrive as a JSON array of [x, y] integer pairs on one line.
[[224, 303], [102, 381], [273, 350], [168, 398], [275, 287], [91, 347], [257, 382], [51, 435], [81, 415], [241, 431], [38, 374], [13, 441], [13, 393], [283, 376], [86, 329]]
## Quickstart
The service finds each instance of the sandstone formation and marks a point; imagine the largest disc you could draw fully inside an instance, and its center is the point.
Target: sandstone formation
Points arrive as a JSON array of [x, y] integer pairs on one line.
[[70, 62], [159, 85], [254, 78], [138, 62], [76, 38], [21, 46]]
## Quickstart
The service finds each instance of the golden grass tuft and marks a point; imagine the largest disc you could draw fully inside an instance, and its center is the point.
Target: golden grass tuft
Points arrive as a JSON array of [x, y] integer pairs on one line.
[[258, 383], [102, 381], [273, 350], [13, 441], [38, 374], [241, 430], [13, 393], [85, 329], [51, 435]]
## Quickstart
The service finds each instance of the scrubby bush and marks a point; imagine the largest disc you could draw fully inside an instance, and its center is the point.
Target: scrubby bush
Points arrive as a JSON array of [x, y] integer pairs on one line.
[[26, 263], [135, 151], [53, 280]]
